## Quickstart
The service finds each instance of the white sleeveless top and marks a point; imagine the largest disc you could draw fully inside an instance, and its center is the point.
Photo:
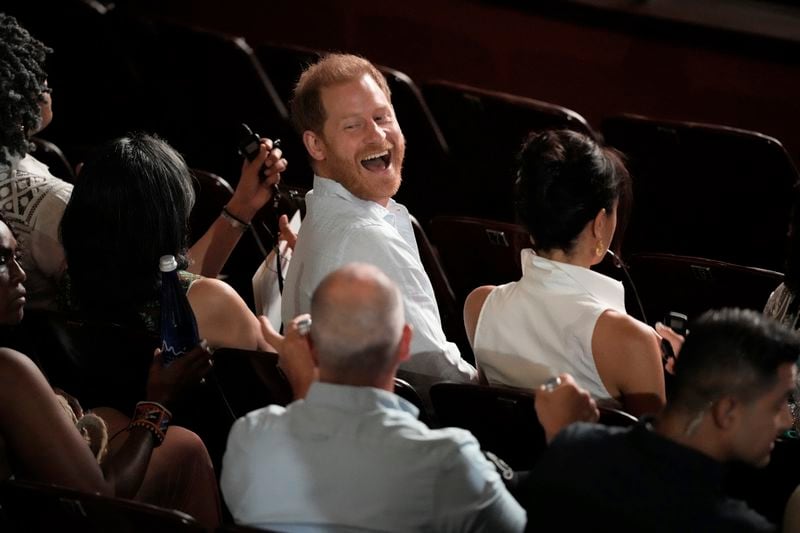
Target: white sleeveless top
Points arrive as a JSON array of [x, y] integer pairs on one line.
[[542, 325]]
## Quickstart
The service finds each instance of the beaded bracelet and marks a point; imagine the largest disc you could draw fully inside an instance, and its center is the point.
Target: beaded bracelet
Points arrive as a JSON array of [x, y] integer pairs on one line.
[[233, 220], [153, 417]]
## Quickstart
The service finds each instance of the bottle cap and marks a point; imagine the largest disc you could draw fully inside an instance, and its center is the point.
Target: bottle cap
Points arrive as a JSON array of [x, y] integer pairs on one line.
[[167, 263]]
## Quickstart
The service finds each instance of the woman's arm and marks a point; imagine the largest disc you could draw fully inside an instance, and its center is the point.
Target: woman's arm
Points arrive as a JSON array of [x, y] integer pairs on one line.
[[627, 354], [44, 445], [209, 254], [126, 468], [42, 442], [223, 319], [472, 312]]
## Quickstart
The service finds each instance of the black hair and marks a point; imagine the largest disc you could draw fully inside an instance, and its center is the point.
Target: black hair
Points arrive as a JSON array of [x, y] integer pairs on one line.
[[730, 352], [130, 206], [22, 84], [564, 179]]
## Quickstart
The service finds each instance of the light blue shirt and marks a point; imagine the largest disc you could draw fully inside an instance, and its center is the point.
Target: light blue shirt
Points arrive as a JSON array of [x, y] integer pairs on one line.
[[340, 228], [356, 458]]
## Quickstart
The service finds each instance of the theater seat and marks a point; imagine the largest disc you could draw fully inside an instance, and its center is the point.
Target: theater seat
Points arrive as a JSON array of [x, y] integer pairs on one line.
[[503, 420], [484, 131], [705, 190], [38, 507], [692, 285], [477, 252]]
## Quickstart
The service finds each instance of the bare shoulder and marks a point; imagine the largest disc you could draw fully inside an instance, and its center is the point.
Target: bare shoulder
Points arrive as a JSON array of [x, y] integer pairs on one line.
[[627, 354], [13, 365], [223, 318], [213, 296], [211, 288], [477, 297], [472, 309], [20, 378], [613, 326]]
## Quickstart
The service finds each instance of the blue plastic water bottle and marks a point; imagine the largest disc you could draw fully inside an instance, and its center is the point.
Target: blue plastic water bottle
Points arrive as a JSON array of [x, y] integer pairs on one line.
[[178, 325]]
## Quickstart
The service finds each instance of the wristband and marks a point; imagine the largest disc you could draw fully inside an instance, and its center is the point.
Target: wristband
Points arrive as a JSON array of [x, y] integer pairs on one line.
[[233, 220], [153, 417]]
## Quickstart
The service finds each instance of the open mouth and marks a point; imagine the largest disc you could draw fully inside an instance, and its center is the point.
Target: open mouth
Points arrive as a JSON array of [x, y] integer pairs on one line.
[[378, 161]]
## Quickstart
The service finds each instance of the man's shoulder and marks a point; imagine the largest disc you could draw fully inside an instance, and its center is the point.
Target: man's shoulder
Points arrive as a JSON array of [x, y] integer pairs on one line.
[[259, 421], [332, 213]]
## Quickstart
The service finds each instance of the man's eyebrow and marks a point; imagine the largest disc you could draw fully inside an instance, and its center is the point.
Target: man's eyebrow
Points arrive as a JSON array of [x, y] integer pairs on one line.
[[381, 109]]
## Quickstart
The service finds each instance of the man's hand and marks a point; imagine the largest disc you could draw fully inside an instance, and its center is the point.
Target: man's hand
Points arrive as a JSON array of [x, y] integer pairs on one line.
[[286, 233], [254, 188], [165, 383], [561, 406], [294, 354]]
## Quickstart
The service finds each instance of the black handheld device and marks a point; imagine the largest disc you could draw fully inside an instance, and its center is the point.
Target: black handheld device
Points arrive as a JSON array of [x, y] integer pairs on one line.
[[249, 143], [677, 322]]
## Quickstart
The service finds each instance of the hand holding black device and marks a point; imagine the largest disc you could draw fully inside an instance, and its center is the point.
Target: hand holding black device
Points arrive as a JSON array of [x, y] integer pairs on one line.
[[677, 322], [249, 145]]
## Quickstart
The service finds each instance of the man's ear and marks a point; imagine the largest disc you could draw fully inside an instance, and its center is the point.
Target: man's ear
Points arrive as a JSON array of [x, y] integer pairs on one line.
[[314, 145], [404, 348], [725, 412]]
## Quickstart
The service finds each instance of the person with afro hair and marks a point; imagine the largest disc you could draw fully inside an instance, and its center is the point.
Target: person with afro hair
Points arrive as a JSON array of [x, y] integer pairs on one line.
[[32, 199]]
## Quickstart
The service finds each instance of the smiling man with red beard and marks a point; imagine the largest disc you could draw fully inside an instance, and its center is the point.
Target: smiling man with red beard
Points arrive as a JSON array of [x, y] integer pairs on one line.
[[342, 107]]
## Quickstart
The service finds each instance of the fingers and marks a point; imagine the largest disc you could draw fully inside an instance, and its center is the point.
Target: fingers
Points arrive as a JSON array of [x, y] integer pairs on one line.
[[286, 233], [274, 338], [675, 340], [165, 383], [274, 161], [297, 327], [270, 163]]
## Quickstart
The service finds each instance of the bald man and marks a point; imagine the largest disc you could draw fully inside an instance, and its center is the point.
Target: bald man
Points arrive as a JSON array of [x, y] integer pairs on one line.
[[352, 454]]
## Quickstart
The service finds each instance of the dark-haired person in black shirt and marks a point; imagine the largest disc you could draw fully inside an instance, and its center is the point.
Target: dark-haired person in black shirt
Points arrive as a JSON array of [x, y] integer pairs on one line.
[[732, 380]]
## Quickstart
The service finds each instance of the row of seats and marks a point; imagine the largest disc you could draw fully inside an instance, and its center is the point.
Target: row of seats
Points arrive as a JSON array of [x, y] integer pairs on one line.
[[699, 190], [463, 253], [31, 507]]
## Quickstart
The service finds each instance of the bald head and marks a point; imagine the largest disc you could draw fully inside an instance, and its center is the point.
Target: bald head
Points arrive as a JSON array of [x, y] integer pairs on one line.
[[358, 323]]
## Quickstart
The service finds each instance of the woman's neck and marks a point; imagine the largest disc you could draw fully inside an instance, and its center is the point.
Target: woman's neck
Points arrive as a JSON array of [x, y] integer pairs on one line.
[[561, 256]]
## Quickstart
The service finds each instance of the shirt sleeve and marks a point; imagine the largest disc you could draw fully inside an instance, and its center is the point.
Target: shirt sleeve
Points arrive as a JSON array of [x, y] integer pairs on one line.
[[470, 496], [400, 262]]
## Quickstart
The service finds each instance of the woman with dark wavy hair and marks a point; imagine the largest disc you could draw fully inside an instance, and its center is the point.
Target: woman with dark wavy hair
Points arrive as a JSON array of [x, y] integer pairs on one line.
[[167, 466], [130, 206], [562, 316]]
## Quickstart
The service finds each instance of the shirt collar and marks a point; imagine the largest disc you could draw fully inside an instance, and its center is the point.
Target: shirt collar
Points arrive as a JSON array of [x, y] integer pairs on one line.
[[328, 187], [706, 470], [357, 399], [607, 290]]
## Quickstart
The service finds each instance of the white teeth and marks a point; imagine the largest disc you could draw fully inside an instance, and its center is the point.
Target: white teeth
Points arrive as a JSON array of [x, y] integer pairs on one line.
[[376, 156]]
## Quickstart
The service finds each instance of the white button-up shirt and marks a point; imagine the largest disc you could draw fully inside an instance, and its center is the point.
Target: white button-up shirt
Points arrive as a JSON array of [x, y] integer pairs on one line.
[[340, 228]]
